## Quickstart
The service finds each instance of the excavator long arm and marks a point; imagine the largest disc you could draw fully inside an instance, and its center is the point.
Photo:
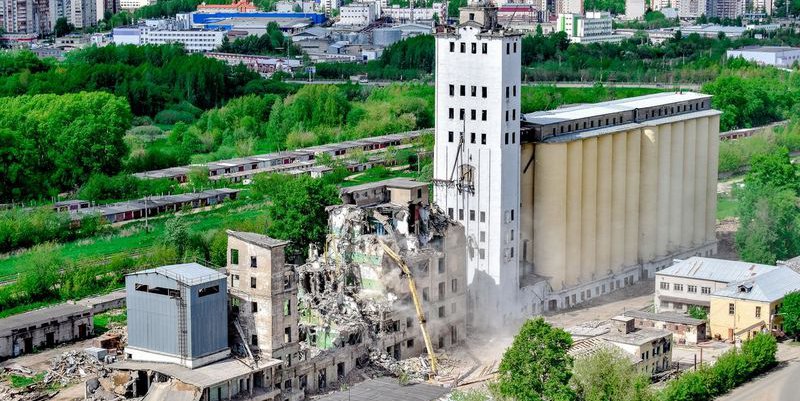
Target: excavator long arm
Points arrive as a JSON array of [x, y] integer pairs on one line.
[[417, 304]]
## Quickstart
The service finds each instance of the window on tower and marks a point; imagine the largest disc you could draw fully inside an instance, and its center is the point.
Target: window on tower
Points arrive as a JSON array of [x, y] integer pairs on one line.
[[483, 115], [463, 47], [451, 112], [450, 212], [463, 90], [508, 48], [484, 48], [514, 115], [483, 92], [452, 47], [461, 114], [483, 217], [474, 90], [506, 115], [474, 48], [473, 114], [508, 91], [461, 214], [452, 90], [471, 137], [506, 138], [450, 136], [513, 137], [483, 139], [515, 47], [472, 215], [515, 90]]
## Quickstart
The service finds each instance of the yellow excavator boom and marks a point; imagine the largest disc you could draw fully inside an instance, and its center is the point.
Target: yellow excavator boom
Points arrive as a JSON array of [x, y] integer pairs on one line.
[[417, 304]]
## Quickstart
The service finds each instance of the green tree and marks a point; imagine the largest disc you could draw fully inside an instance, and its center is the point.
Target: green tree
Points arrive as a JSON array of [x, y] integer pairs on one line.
[[537, 367], [609, 375], [62, 27], [790, 311], [38, 282], [296, 209], [176, 234], [698, 312]]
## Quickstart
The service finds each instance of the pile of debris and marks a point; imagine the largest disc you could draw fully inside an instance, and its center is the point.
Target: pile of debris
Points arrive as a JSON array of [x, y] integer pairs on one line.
[[74, 366], [31, 392], [415, 370]]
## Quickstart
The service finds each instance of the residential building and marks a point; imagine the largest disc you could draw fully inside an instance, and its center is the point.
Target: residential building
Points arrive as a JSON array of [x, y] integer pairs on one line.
[[684, 329], [169, 311], [634, 9], [691, 282], [357, 14], [776, 56], [594, 27], [569, 7], [133, 5], [726, 8], [44, 328], [401, 14], [690, 9], [750, 306], [330, 5]]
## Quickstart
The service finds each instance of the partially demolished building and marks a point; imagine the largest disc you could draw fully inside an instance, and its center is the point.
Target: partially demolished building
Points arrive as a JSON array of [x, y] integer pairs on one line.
[[298, 330]]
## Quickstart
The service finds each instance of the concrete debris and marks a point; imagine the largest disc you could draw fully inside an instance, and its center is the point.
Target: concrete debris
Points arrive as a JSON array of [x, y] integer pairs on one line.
[[74, 366]]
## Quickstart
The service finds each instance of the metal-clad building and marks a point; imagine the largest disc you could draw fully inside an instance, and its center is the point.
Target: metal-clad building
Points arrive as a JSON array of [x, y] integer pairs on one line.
[[177, 314]]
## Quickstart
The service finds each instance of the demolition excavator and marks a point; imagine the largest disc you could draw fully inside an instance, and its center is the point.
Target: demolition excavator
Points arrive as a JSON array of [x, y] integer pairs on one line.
[[417, 304]]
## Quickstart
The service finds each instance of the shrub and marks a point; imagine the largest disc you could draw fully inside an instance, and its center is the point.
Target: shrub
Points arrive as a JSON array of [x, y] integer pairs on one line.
[[170, 117]]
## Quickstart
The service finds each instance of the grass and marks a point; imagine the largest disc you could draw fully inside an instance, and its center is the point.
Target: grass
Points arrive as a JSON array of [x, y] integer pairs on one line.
[[102, 320], [546, 97], [28, 307], [132, 238], [726, 206], [23, 381], [378, 175]]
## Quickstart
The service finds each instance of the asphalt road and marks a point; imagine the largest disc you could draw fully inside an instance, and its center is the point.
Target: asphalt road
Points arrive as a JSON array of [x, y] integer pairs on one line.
[[782, 384]]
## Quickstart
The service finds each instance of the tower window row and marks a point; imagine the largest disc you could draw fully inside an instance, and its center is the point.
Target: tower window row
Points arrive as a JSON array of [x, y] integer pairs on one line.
[[472, 137], [482, 219], [462, 114], [473, 91], [473, 46]]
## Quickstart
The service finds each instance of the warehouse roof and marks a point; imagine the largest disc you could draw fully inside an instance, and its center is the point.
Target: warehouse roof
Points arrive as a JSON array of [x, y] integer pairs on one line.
[[34, 318], [391, 183], [187, 273], [257, 239], [767, 49], [724, 271], [767, 287], [638, 337], [610, 107]]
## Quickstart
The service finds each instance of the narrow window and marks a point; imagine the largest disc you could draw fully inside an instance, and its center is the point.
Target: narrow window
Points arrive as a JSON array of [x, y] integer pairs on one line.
[[474, 48], [452, 113], [484, 48], [515, 47], [483, 139], [463, 90], [252, 282], [463, 47], [473, 114], [508, 91], [508, 48], [253, 262], [452, 90], [450, 136], [483, 115], [254, 307], [234, 256], [452, 47], [506, 138], [472, 215], [483, 92], [731, 309], [461, 114], [472, 137], [473, 90]]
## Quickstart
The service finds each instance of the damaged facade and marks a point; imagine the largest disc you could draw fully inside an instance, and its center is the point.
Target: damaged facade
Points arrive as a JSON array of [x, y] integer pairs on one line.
[[298, 330]]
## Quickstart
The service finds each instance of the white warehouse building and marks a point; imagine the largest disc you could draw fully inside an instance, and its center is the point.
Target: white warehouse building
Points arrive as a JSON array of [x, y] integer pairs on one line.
[[777, 56], [193, 40], [594, 27]]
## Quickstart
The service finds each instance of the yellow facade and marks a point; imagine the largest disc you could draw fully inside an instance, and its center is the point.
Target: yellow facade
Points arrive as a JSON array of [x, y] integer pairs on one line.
[[731, 318], [602, 204]]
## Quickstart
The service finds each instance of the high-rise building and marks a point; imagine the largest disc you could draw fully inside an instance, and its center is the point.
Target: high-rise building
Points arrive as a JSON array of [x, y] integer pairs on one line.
[[634, 9], [569, 7], [477, 150]]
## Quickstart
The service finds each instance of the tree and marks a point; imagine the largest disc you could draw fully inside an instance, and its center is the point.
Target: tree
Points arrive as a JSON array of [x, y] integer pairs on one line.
[[609, 374], [537, 367], [698, 312], [790, 311], [176, 233], [39, 281], [296, 211], [62, 27]]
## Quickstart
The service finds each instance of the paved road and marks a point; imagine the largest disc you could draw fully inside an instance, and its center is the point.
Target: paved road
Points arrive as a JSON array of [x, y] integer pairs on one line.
[[663, 86], [782, 384]]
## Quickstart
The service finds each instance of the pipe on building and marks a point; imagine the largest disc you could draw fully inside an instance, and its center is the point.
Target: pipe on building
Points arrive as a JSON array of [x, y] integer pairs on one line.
[[604, 172]]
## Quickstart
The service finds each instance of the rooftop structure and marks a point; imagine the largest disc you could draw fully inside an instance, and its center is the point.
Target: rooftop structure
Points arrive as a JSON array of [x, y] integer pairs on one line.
[[720, 270], [770, 286], [685, 329]]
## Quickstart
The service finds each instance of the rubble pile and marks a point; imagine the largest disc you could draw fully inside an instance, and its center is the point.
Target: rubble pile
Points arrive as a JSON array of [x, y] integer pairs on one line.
[[73, 366], [32, 392]]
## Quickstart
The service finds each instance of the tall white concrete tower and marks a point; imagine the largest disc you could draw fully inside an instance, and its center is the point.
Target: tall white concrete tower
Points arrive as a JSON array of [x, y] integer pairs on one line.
[[477, 153]]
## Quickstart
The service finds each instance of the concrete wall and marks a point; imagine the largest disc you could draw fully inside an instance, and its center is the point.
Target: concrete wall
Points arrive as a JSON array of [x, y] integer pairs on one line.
[[743, 323], [66, 328]]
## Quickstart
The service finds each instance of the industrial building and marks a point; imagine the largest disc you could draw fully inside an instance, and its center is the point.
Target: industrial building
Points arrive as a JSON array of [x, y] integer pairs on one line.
[[685, 330], [776, 56], [389, 257], [590, 28], [44, 328], [691, 282], [561, 206], [169, 310]]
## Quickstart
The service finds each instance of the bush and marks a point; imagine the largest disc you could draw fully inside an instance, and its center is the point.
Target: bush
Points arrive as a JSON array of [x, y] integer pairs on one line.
[[732, 369], [170, 117], [149, 132]]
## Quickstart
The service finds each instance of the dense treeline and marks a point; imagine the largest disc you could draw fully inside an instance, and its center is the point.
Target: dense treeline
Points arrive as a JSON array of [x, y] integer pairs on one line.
[[150, 77], [22, 228], [52, 143], [736, 155], [168, 8]]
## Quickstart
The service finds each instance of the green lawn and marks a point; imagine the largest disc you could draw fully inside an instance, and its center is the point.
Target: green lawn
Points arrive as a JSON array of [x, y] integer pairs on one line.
[[133, 239], [102, 320], [726, 206]]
